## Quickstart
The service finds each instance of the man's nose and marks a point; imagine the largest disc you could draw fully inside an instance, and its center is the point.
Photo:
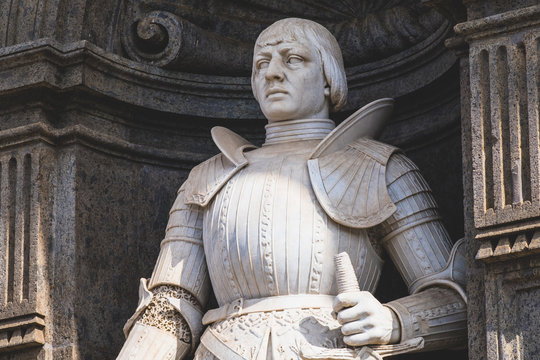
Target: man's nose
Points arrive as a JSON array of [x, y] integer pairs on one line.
[[274, 70]]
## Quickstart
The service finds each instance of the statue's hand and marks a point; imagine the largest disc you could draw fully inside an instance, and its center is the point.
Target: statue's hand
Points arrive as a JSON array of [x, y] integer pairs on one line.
[[365, 320]]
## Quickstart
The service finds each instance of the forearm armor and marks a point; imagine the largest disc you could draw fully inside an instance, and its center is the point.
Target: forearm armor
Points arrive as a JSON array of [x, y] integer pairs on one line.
[[170, 307], [433, 270], [437, 314]]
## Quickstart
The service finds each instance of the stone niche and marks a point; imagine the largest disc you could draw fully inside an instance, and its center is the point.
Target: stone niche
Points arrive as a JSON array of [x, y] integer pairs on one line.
[[105, 106]]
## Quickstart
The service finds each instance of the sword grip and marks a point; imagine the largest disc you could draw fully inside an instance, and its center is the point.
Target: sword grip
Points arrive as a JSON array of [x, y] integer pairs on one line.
[[345, 275]]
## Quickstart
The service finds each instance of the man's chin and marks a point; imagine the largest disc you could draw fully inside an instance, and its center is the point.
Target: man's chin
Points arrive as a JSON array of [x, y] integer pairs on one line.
[[280, 114], [283, 117]]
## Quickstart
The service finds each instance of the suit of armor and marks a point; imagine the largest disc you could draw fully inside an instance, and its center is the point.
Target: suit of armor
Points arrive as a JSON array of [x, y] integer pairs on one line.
[[260, 226]]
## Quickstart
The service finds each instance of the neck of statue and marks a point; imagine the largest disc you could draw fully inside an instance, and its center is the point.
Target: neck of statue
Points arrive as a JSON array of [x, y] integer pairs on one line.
[[297, 130]]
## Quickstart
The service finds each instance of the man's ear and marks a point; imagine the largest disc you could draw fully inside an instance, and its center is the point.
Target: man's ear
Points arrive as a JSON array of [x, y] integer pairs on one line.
[[327, 91]]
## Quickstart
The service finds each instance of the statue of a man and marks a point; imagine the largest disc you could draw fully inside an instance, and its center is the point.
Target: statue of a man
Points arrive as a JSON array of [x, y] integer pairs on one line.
[[261, 226]]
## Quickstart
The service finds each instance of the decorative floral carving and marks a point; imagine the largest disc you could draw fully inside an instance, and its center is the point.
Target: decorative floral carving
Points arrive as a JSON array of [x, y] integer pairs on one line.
[[162, 315]]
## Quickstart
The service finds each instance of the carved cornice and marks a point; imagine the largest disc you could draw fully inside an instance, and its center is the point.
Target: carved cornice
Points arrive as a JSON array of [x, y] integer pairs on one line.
[[49, 64], [509, 242], [504, 23], [194, 58], [82, 135], [21, 332]]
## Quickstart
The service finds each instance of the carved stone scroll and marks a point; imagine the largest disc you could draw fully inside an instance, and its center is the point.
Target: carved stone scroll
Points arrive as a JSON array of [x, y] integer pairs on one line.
[[164, 39]]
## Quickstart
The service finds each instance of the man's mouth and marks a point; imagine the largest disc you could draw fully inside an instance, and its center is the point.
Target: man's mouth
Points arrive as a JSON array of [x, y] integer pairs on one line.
[[274, 91]]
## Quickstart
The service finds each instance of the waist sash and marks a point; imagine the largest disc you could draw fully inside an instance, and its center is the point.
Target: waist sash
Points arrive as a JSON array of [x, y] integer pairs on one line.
[[271, 303]]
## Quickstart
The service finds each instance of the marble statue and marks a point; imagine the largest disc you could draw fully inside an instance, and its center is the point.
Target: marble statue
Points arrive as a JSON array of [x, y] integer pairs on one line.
[[261, 228]]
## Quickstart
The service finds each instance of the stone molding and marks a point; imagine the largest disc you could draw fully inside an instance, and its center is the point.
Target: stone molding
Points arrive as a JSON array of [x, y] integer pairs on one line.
[[413, 60], [47, 63], [111, 145], [501, 23], [22, 332], [511, 246]]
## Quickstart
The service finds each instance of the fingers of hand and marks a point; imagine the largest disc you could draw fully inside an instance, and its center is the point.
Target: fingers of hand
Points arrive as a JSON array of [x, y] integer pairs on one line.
[[345, 300], [367, 322], [361, 305], [351, 314], [360, 339], [363, 333], [356, 327]]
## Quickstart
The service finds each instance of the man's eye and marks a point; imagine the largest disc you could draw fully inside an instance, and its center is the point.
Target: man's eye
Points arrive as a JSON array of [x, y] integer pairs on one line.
[[294, 59], [262, 64]]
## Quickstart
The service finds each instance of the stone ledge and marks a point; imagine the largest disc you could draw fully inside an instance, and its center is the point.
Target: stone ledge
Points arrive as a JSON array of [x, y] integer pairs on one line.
[[510, 21], [510, 213], [21, 332], [509, 246], [46, 63], [40, 132]]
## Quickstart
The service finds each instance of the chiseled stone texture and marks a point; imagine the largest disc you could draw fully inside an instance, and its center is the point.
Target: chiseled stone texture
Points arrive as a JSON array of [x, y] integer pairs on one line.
[[501, 176], [121, 207]]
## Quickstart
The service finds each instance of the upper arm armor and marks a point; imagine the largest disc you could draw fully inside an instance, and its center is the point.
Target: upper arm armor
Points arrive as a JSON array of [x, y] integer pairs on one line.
[[420, 247], [181, 261], [414, 235], [171, 303]]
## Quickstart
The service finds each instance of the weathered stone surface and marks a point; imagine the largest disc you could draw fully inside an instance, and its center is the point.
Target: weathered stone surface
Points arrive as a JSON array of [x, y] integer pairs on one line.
[[84, 200], [500, 153]]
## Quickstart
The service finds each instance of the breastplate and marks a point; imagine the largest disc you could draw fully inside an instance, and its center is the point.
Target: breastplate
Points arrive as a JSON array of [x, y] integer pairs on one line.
[[265, 233]]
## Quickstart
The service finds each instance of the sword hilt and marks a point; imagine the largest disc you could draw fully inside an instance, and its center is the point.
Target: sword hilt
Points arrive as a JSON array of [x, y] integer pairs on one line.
[[345, 274]]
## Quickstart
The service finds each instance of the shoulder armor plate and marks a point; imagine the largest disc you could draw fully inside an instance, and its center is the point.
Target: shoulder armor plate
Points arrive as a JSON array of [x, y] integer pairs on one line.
[[350, 184], [367, 122], [207, 178]]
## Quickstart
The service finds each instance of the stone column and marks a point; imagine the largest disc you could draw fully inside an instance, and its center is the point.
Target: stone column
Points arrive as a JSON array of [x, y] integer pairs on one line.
[[500, 93]]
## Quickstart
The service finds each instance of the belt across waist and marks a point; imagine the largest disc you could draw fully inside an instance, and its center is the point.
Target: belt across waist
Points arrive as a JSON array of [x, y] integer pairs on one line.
[[272, 303]]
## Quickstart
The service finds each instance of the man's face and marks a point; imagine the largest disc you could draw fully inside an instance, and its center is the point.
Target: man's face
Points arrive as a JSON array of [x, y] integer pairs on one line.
[[289, 80]]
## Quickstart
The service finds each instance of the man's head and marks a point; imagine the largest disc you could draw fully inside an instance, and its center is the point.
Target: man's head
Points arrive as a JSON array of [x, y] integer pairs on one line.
[[298, 71]]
